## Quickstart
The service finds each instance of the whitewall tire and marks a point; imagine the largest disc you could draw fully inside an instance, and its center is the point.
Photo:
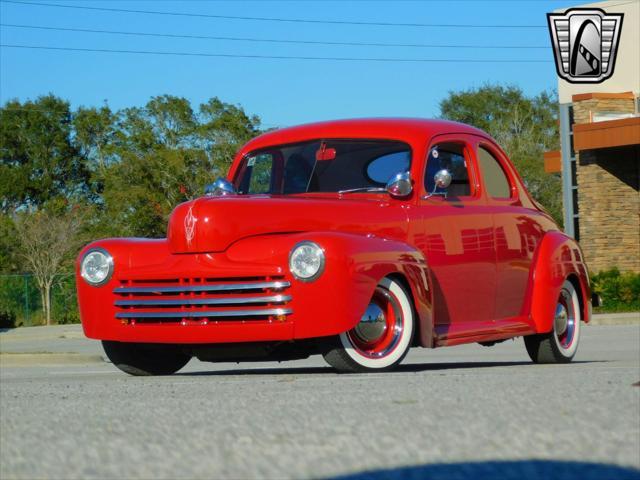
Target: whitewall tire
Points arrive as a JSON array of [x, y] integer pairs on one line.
[[559, 345], [383, 336]]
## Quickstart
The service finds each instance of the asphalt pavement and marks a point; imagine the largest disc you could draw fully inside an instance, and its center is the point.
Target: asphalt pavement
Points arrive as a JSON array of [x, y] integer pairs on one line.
[[467, 412]]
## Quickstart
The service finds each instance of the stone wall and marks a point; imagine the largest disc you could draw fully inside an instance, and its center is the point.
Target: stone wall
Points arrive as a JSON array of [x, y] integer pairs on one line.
[[608, 195], [583, 110]]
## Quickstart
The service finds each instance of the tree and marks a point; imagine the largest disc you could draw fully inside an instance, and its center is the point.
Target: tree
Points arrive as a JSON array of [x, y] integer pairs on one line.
[[48, 243], [524, 126], [166, 154], [95, 136], [37, 159], [7, 245], [223, 129], [128, 168]]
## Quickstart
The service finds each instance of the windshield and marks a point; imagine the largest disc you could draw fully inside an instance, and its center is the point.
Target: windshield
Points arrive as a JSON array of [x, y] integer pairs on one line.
[[322, 166]]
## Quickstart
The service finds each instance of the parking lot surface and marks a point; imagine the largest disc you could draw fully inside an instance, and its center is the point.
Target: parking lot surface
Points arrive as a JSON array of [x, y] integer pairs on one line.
[[460, 412]]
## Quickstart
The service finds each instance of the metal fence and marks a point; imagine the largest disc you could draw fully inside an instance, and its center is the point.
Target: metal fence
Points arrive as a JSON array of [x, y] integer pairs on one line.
[[21, 301]]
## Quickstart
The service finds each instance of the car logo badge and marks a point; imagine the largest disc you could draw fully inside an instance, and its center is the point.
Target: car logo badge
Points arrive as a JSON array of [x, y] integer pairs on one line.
[[189, 226], [585, 43]]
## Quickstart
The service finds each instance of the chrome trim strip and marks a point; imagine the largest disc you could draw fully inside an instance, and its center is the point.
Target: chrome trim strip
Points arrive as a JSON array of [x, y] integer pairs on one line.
[[207, 313], [203, 301], [223, 287]]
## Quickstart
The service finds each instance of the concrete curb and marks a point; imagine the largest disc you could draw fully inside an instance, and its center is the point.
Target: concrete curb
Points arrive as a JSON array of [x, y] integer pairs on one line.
[[47, 358], [631, 318]]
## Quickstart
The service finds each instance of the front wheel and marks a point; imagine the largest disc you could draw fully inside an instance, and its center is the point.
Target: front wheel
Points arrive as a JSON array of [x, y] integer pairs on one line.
[[559, 345], [383, 336], [145, 359]]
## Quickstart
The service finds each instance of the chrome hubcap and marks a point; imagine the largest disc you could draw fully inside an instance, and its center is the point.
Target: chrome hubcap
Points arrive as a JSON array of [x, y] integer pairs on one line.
[[380, 328], [565, 321], [561, 319], [372, 325]]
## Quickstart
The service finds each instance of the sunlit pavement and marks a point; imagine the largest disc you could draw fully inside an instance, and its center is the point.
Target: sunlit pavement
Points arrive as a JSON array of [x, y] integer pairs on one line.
[[461, 412]]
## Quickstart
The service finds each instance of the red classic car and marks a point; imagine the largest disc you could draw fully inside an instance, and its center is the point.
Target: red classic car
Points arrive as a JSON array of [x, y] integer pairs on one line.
[[354, 239]]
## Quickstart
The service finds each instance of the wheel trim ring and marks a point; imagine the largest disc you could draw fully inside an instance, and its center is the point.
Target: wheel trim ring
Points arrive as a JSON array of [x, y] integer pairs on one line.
[[388, 342]]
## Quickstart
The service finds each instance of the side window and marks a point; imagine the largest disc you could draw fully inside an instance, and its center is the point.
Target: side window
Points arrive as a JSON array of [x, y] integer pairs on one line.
[[449, 156], [260, 180], [495, 179], [382, 169]]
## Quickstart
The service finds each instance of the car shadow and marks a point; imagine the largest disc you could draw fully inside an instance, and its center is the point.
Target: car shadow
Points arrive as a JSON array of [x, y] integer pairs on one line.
[[408, 368], [504, 470]]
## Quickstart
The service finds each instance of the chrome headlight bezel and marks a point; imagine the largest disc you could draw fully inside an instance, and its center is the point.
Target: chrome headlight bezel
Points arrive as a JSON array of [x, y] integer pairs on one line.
[[108, 259], [318, 250]]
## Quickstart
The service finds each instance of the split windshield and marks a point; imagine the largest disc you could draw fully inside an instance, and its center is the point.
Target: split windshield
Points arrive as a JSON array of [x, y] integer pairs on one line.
[[322, 166]]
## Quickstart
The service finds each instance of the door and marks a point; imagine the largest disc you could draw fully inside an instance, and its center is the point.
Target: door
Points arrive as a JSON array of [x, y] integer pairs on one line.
[[457, 237], [516, 231]]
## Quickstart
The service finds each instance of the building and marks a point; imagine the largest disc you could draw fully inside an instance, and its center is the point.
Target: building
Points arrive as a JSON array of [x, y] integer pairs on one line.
[[600, 154]]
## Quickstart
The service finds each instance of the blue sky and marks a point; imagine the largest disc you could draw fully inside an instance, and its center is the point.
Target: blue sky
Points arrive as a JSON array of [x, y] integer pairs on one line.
[[281, 92]]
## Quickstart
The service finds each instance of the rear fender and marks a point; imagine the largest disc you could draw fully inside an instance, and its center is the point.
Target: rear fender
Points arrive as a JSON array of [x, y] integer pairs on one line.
[[558, 258]]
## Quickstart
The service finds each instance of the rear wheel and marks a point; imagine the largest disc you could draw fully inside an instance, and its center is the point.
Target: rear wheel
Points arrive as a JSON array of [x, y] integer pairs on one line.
[[559, 345], [383, 336], [145, 359]]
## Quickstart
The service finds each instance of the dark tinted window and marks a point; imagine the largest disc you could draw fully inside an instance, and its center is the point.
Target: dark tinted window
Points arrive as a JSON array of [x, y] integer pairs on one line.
[[327, 166], [495, 179], [448, 156]]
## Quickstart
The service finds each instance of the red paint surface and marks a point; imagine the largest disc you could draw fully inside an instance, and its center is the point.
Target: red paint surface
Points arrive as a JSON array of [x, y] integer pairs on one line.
[[478, 268]]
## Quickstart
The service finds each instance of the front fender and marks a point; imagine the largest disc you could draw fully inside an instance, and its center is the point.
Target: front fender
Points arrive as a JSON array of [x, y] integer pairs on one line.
[[355, 264], [558, 258]]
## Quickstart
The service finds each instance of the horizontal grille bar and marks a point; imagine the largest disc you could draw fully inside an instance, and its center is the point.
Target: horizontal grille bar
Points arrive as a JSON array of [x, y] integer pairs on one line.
[[278, 285], [207, 313], [203, 301]]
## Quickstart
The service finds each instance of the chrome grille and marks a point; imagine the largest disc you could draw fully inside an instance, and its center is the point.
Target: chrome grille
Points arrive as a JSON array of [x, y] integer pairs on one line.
[[202, 300]]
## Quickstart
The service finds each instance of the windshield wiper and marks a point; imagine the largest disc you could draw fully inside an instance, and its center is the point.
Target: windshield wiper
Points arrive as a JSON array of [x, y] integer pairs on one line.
[[363, 189]]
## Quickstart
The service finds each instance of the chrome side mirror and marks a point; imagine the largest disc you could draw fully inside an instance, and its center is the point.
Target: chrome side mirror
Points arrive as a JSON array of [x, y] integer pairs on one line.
[[400, 185], [442, 178], [220, 188]]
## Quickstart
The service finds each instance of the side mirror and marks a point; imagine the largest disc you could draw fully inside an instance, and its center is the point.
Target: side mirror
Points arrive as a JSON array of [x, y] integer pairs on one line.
[[442, 178], [220, 188], [400, 185]]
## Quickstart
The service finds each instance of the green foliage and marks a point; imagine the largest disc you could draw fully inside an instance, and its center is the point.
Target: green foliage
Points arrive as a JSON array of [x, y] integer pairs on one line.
[[38, 161], [524, 126], [160, 155], [8, 259], [19, 301], [64, 302], [618, 291], [121, 171]]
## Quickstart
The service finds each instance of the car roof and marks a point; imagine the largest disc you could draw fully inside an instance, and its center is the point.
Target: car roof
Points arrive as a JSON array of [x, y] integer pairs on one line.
[[409, 130]]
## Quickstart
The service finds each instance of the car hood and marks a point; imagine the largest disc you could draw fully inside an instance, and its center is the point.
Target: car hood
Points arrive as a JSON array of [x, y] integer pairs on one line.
[[212, 224]]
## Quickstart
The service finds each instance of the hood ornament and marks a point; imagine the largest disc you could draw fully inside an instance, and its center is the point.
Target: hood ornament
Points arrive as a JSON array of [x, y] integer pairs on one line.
[[189, 226]]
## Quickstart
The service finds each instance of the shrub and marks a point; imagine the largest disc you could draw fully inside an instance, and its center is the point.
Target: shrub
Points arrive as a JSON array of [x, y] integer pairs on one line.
[[7, 319], [64, 302], [618, 291]]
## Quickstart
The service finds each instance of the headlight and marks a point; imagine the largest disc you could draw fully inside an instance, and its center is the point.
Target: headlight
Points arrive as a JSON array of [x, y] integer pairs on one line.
[[306, 261], [96, 267]]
